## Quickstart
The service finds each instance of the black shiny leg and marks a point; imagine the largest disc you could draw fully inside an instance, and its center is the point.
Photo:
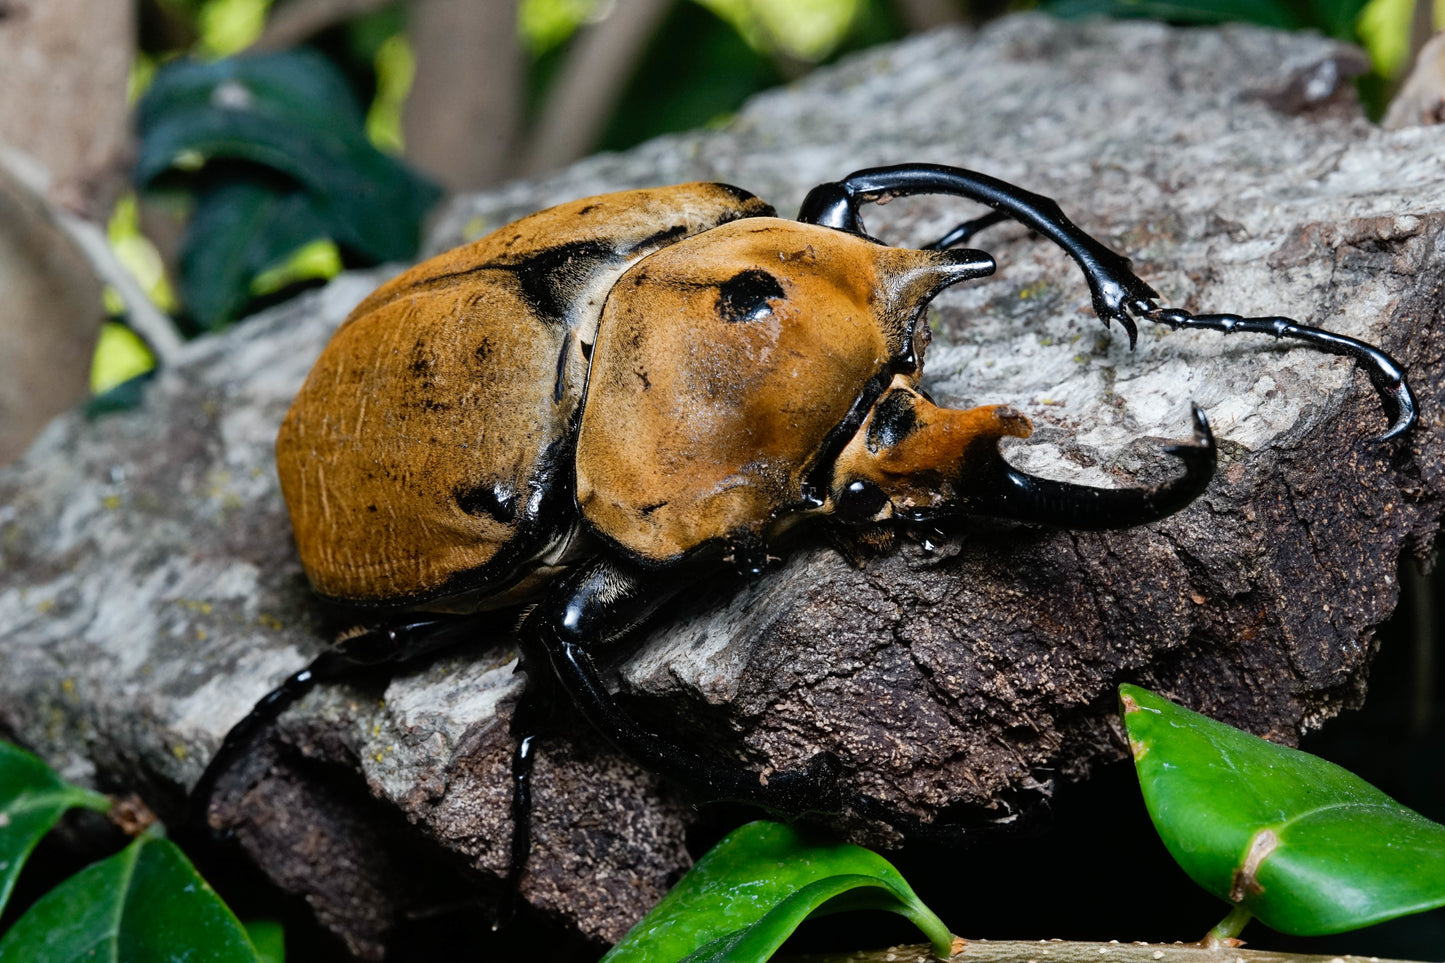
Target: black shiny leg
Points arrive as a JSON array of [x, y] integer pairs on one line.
[[596, 604], [523, 759], [1118, 294], [1385, 372], [966, 231], [531, 717], [1113, 286], [387, 644]]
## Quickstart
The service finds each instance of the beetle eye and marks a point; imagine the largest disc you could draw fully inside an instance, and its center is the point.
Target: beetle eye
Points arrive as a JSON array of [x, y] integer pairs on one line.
[[859, 501], [746, 295]]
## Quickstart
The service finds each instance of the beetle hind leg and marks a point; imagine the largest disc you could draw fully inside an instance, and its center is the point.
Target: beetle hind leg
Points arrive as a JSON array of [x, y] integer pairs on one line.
[[381, 645]]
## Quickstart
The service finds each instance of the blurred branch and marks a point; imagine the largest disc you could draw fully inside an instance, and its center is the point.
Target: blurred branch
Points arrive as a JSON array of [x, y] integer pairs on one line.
[[1421, 98], [299, 20], [1063, 951], [461, 119], [145, 318], [590, 84]]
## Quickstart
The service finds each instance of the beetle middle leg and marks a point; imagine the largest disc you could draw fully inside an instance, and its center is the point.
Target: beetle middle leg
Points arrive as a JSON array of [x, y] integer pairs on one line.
[[598, 603]]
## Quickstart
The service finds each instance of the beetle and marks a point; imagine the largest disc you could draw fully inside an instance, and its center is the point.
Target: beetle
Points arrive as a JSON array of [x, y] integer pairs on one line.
[[598, 404]]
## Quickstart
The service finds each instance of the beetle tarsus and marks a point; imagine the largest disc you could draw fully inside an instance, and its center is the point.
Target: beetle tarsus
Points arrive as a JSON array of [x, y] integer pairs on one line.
[[1385, 372]]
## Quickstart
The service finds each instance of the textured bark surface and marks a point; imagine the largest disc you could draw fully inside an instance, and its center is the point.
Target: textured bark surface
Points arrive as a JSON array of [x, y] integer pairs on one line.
[[150, 593]]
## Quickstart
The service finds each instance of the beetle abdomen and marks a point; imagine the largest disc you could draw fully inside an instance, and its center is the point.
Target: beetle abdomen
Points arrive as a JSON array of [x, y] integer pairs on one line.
[[428, 455]]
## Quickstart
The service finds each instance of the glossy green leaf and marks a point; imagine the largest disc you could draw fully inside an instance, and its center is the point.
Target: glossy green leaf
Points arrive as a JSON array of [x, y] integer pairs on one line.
[[288, 114], [1269, 13], [1304, 845], [237, 231], [144, 903], [748, 894], [32, 800], [269, 939]]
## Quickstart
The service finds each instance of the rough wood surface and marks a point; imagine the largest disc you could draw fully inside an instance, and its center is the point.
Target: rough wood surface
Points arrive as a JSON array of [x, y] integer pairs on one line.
[[150, 593]]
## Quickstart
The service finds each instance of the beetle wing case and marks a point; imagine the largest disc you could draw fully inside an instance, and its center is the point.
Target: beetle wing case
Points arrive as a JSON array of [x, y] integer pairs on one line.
[[723, 366], [425, 452]]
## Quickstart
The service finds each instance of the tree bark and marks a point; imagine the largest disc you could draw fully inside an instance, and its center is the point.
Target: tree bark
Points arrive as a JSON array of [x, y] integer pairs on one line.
[[150, 593]]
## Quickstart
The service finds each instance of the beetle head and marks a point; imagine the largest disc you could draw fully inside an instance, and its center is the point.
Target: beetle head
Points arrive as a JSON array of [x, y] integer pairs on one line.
[[913, 459]]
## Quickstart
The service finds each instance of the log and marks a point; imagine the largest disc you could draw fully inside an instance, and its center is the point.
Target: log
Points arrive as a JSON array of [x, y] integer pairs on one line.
[[150, 593]]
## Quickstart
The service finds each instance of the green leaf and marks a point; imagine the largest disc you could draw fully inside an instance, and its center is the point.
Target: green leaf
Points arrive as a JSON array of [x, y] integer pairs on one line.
[[126, 396], [32, 800], [298, 86], [748, 894], [289, 114], [269, 939], [239, 230], [1268, 13], [144, 903], [1305, 846]]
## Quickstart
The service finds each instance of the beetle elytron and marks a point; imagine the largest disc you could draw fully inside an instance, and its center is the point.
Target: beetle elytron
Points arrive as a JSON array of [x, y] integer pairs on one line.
[[597, 404]]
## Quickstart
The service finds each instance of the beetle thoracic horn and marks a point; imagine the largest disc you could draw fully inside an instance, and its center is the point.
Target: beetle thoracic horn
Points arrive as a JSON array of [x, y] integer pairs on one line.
[[910, 277]]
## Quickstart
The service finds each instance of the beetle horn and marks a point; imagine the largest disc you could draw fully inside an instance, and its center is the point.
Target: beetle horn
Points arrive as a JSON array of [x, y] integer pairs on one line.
[[911, 276], [914, 460], [1001, 490]]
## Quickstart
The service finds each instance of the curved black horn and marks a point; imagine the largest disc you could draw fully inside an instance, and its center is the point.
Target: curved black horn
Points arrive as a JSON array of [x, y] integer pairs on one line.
[[1005, 492]]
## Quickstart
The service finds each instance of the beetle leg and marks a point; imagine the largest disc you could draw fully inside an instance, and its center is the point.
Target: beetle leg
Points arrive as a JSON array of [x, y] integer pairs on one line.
[[966, 231], [596, 604], [374, 646], [1384, 371], [1113, 286]]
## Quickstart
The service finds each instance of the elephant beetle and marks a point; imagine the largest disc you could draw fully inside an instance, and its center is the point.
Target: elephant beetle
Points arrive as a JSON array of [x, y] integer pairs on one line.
[[599, 404]]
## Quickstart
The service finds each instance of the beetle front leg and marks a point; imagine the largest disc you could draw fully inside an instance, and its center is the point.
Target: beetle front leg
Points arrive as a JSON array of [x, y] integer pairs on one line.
[[1113, 285], [1385, 372], [596, 604]]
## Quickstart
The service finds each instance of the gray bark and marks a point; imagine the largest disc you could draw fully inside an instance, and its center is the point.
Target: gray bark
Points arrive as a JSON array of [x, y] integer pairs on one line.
[[150, 593]]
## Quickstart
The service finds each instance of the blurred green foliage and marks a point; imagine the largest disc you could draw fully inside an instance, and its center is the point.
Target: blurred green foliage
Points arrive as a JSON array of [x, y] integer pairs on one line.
[[247, 245]]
